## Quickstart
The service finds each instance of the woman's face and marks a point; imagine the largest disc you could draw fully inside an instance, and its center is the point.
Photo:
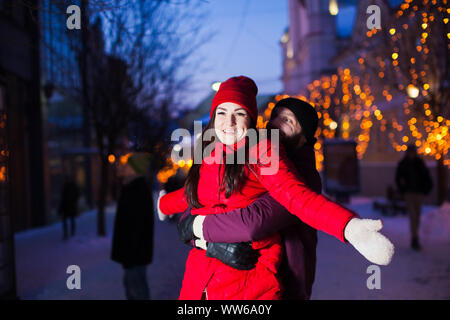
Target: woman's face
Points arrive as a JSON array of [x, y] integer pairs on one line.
[[231, 123]]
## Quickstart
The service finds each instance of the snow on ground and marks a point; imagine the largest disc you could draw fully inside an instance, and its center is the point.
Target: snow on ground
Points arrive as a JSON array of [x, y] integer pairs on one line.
[[42, 259], [436, 224], [342, 272]]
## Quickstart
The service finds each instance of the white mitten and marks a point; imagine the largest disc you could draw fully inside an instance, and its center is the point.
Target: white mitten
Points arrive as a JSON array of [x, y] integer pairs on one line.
[[201, 243], [197, 226], [364, 236], [161, 215]]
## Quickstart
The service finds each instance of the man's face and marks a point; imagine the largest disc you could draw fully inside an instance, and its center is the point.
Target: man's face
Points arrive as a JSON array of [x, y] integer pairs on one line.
[[290, 128]]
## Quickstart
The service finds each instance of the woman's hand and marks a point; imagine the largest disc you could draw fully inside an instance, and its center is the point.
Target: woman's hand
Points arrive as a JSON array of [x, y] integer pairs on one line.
[[161, 215], [364, 236]]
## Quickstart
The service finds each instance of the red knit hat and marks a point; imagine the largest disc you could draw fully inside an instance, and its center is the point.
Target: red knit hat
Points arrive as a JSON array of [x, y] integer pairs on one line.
[[240, 90]]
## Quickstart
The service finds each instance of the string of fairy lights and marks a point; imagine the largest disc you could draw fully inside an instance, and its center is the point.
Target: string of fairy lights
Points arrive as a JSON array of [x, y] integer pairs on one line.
[[350, 102], [352, 96], [433, 139], [343, 102], [428, 129]]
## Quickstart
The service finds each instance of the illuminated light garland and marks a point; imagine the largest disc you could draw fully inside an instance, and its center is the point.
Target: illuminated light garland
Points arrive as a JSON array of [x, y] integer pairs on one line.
[[351, 97], [431, 137], [335, 95], [172, 168]]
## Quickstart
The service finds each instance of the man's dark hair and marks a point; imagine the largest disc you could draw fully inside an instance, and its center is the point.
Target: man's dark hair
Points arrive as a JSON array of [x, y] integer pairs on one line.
[[304, 112]]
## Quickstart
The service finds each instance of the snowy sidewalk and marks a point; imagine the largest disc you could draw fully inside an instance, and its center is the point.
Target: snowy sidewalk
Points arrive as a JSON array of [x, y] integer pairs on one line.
[[42, 259], [341, 270]]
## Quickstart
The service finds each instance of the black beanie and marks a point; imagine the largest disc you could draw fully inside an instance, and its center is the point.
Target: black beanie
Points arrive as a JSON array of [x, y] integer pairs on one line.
[[305, 114]]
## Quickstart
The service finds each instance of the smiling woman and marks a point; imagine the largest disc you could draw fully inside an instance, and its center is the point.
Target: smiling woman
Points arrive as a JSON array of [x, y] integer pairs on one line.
[[213, 188], [231, 123]]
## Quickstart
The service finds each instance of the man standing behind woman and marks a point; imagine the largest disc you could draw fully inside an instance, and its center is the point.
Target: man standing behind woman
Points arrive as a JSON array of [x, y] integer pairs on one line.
[[297, 121], [217, 187]]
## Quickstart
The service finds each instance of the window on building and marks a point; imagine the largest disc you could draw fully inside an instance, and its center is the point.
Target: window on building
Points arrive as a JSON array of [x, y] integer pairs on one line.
[[395, 3], [345, 19]]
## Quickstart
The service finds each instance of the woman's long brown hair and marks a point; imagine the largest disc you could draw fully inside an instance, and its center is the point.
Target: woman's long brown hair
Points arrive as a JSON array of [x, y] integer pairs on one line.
[[233, 176]]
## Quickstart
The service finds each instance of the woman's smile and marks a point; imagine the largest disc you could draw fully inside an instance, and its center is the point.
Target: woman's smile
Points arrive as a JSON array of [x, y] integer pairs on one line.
[[231, 122], [233, 132]]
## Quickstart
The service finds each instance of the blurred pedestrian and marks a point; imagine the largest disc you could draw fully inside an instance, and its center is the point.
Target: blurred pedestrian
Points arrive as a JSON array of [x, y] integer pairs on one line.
[[132, 244], [68, 205], [414, 181]]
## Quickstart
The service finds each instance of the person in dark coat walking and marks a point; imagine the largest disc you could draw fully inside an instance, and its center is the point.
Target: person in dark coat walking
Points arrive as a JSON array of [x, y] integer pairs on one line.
[[132, 244], [413, 180], [68, 206]]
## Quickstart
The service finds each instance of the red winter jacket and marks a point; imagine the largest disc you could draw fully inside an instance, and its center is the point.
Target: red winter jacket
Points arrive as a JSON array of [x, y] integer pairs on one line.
[[285, 186]]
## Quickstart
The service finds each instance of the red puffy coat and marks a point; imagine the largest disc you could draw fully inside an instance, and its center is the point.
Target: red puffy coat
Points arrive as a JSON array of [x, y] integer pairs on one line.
[[284, 185]]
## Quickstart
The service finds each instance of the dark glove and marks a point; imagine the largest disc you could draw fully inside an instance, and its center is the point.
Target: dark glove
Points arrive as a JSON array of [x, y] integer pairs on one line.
[[239, 255], [185, 229]]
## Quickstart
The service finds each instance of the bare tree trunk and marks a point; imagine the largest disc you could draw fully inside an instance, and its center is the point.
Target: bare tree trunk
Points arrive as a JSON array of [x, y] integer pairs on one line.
[[103, 188], [85, 98]]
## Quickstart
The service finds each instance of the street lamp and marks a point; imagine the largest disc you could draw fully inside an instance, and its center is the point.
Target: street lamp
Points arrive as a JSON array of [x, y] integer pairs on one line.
[[177, 148], [333, 7], [215, 86], [413, 92]]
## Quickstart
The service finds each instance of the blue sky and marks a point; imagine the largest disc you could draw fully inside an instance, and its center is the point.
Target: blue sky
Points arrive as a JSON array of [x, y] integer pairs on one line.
[[246, 41]]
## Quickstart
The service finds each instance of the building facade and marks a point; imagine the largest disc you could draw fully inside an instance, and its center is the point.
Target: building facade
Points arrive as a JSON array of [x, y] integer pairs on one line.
[[23, 201], [67, 128], [325, 35], [313, 38]]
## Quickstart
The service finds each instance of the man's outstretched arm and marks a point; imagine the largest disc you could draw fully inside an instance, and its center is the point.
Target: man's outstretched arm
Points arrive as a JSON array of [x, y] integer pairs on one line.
[[262, 218]]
